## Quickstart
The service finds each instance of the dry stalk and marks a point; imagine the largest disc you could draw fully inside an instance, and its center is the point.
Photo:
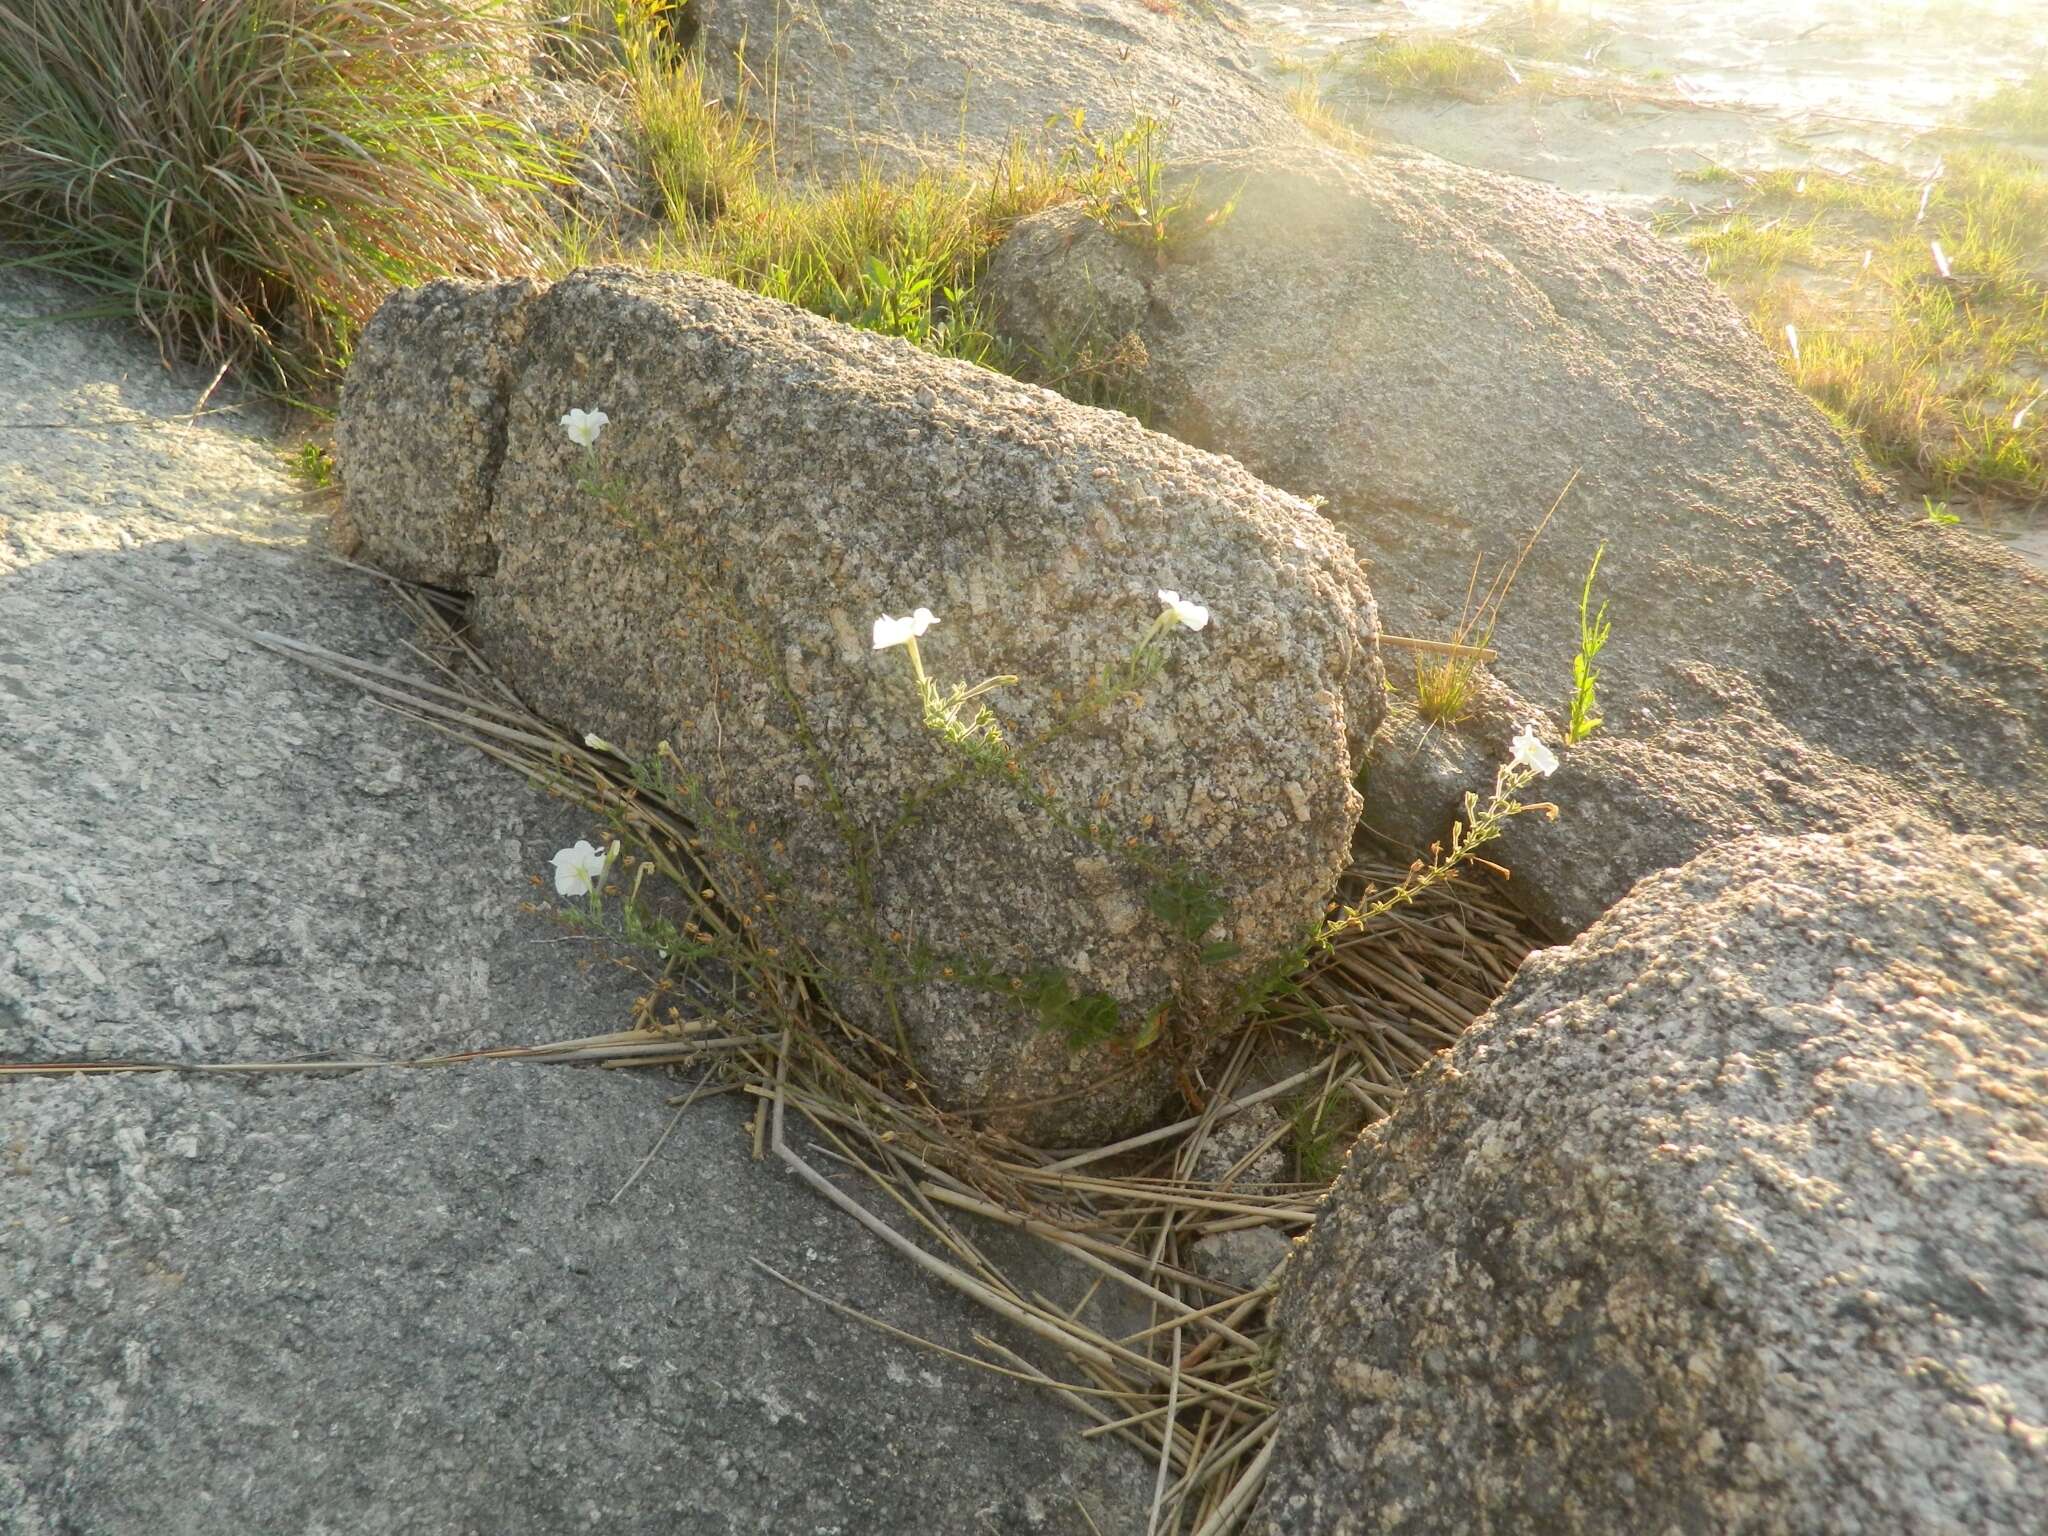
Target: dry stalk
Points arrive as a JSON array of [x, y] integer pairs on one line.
[[1194, 1387]]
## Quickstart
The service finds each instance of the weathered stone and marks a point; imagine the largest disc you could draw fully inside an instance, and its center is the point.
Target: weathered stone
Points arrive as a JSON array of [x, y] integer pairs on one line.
[[431, 387], [410, 1297], [901, 83], [779, 481], [1225, 1150], [1730, 1217], [384, 1301], [1439, 351], [1245, 1258]]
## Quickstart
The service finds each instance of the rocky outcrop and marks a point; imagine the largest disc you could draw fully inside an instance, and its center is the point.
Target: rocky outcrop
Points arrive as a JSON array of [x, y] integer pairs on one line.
[[409, 1295], [903, 83], [1438, 351], [771, 483], [1731, 1217], [380, 1301]]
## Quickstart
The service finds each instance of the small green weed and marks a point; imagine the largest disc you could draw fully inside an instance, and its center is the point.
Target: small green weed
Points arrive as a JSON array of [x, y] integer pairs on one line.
[[312, 465], [1127, 188], [1593, 632], [1321, 1131]]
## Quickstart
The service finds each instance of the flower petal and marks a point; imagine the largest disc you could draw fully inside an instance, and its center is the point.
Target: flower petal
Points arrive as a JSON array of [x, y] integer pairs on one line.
[[571, 876], [1531, 753]]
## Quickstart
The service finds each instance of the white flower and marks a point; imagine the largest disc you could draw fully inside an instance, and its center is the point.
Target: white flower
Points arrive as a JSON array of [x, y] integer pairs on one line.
[[890, 631], [596, 743], [578, 869], [1194, 615], [1531, 753], [583, 426]]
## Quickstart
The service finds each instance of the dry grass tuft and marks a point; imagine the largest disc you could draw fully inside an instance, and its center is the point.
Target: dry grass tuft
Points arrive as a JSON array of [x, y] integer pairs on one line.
[[1193, 1387], [251, 177]]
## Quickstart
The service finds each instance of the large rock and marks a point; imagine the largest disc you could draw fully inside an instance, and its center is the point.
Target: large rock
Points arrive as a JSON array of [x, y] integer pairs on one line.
[[391, 1301], [1731, 1217], [902, 83], [780, 481], [410, 1296], [1438, 350]]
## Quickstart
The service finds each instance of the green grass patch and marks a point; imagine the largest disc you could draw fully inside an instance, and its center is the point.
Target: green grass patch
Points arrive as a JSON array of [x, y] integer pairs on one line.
[[1444, 66], [1742, 246], [251, 177], [901, 254], [312, 465], [1915, 310], [1314, 112], [2019, 108]]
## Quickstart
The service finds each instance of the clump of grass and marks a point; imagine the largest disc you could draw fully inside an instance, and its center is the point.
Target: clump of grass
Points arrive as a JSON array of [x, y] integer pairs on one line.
[[903, 255], [1445, 680], [1091, 367], [2019, 108], [1745, 247], [249, 178], [1913, 308], [899, 256], [1444, 683], [705, 158], [1448, 66], [1306, 101]]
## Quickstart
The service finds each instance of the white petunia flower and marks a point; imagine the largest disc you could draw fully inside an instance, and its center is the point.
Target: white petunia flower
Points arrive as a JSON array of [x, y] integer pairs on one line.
[[890, 631], [1194, 615], [596, 743], [579, 869], [1531, 753], [583, 426]]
